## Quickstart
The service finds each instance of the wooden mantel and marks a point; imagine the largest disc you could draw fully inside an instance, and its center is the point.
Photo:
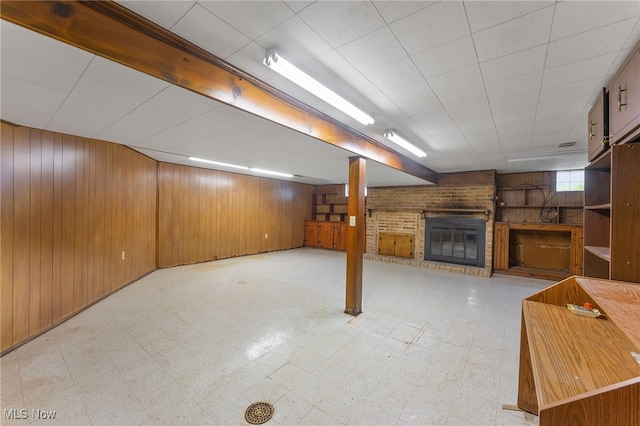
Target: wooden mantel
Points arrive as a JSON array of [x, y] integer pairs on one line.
[[440, 209]]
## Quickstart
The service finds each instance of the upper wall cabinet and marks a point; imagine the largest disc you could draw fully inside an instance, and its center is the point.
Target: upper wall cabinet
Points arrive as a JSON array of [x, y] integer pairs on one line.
[[624, 100], [599, 125]]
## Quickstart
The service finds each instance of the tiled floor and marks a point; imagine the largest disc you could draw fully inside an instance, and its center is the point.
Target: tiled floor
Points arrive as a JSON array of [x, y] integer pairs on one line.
[[197, 344]]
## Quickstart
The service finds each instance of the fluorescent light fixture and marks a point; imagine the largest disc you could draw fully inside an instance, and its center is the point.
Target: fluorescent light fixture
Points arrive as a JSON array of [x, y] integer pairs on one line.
[[285, 68], [269, 172], [393, 137], [544, 156], [217, 163]]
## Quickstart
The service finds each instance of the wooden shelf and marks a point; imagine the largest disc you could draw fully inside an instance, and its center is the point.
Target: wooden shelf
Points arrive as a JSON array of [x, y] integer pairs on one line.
[[606, 206], [539, 207], [601, 252], [611, 227]]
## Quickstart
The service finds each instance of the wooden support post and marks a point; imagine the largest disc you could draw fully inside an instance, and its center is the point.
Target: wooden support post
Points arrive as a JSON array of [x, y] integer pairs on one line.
[[356, 232]]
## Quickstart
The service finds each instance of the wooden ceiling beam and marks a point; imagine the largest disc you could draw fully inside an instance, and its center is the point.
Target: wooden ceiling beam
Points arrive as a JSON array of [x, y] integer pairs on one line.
[[115, 33]]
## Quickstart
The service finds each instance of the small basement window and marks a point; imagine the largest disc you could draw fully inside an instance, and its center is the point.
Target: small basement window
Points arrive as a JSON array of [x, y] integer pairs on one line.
[[570, 180]]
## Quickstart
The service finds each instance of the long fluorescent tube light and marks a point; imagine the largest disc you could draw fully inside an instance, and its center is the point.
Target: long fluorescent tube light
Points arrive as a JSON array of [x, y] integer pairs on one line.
[[544, 156], [217, 163], [269, 172], [285, 68], [395, 138]]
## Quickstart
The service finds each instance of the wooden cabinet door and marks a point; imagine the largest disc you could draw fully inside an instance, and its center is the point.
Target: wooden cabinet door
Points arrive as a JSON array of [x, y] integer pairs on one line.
[[340, 236], [501, 247], [597, 142], [624, 100], [404, 246], [386, 244], [311, 234], [325, 235]]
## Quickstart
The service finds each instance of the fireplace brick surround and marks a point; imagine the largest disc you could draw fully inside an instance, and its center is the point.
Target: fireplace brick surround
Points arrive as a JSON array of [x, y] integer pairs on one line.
[[403, 210]]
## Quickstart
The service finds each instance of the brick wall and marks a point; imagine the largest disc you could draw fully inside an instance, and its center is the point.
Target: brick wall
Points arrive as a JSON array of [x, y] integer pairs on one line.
[[403, 210]]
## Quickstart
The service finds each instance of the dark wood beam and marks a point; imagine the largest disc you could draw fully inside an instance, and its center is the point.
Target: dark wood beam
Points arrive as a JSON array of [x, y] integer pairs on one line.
[[356, 235], [115, 33]]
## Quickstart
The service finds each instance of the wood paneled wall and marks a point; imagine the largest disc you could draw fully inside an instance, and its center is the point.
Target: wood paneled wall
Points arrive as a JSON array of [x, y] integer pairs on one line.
[[70, 207], [205, 214]]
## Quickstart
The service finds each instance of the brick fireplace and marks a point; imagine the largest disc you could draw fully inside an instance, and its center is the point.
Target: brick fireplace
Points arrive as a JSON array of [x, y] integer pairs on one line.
[[405, 211]]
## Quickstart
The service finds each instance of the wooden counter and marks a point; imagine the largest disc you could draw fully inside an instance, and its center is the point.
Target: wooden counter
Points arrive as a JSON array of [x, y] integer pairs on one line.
[[580, 370]]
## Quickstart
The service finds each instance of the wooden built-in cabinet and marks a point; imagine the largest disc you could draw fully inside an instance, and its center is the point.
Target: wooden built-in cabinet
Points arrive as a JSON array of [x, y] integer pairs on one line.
[[329, 228], [396, 244], [322, 234], [539, 250], [612, 213], [599, 125], [624, 100], [579, 370]]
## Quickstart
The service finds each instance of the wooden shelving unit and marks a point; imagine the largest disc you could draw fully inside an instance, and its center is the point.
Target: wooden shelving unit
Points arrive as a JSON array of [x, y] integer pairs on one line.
[[612, 210], [328, 229], [330, 203], [531, 198]]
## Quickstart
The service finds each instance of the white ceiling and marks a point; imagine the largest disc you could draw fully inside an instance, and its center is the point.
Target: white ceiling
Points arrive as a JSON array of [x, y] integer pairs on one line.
[[470, 82]]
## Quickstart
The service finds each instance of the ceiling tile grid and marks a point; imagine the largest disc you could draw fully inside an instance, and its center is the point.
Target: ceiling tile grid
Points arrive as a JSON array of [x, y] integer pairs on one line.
[[471, 82]]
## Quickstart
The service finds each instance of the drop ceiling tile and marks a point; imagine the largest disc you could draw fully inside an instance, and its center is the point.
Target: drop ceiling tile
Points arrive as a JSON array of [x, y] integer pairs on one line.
[[515, 85], [298, 5], [209, 32], [27, 103], [486, 14], [431, 27], [577, 71], [295, 40], [393, 10], [633, 37], [41, 60], [414, 99], [198, 128], [165, 13], [516, 64], [167, 109], [600, 41], [571, 90], [394, 75], [373, 50], [121, 78], [520, 100], [252, 18], [514, 36], [454, 81], [93, 106], [427, 120], [573, 17], [446, 58], [342, 22], [464, 98]]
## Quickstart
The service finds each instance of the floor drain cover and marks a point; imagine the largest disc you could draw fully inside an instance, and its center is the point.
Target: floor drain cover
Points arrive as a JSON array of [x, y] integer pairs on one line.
[[258, 413]]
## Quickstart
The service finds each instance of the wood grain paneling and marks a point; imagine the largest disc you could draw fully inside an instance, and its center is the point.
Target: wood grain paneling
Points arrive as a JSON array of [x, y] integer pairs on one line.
[[206, 214], [70, 206]]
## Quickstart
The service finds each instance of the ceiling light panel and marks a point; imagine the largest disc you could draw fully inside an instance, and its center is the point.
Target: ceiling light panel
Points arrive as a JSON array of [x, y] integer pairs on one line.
[[285, 68]]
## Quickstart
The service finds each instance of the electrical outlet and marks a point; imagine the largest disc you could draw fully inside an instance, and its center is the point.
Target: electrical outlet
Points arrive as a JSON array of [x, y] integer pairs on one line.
[[266, 236], [122, 254]]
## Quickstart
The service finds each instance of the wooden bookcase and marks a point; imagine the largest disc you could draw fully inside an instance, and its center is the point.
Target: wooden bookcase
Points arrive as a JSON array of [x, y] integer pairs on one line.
[[612, 213], [329, 227], [330, 203]]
